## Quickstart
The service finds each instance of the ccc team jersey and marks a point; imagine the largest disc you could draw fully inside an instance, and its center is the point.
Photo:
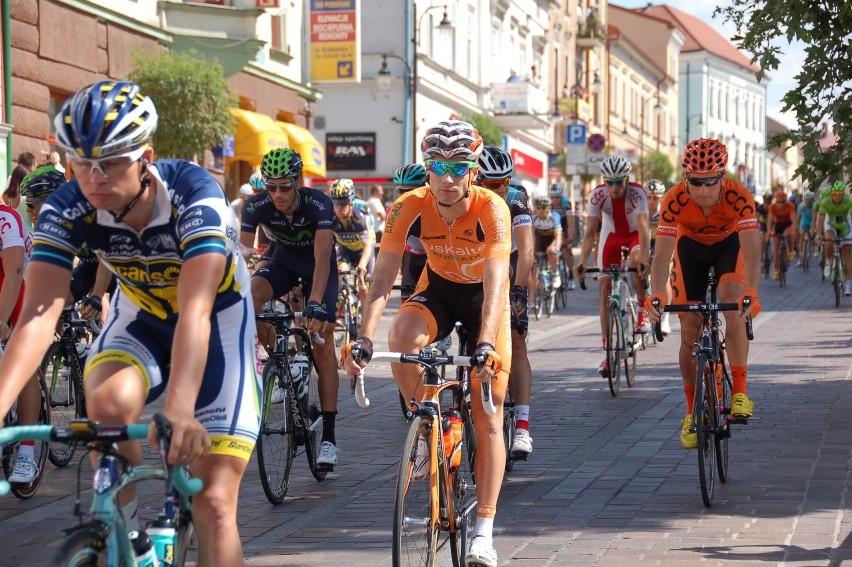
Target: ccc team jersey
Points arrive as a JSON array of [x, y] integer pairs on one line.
[[735, 212], [457, 251], [619, 216], [14, 233], [191, 217]]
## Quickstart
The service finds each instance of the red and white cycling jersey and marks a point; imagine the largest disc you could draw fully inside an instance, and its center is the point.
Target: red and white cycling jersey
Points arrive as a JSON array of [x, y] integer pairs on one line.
[[619, 215], [14, 233]]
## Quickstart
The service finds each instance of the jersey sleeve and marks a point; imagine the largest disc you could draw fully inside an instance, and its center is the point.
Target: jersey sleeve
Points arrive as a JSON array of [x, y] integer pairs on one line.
[[596, 199], [496, 223], [324, 211], [557, 221], [11, 230], [519, 209], [250, 216], [60, 227], [740, 198], [204, 216], [671, 207]]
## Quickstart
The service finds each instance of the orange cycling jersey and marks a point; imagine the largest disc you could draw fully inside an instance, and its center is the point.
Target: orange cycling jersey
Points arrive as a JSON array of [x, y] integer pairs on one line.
[[457, 251], [680, 215], [783, 212]]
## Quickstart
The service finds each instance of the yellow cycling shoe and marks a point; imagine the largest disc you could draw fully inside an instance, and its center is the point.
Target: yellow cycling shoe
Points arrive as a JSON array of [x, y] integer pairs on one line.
[[689, 439], [741, 406]]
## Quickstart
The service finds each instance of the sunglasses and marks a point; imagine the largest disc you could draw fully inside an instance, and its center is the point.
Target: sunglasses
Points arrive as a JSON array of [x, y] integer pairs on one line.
[[703, 181], [341, 202], [33, 204], [454, 168], [615, 181], [285, 187], [493, 183], [112, 166]]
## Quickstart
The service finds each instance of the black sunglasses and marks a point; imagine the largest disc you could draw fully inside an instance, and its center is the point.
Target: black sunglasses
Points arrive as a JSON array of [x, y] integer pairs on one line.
[[703, 181]]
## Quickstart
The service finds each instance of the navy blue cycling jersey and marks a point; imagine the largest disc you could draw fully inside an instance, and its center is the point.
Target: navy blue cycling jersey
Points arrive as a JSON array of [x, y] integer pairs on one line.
[[294, 234], [191, 217]]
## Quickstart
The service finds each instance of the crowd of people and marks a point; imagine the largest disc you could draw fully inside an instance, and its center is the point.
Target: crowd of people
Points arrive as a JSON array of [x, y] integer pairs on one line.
[[162, 244]]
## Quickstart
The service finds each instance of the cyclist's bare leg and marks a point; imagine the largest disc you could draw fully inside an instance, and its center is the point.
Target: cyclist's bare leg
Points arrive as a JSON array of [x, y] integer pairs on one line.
[[261, 292], [829, 236], [638, 281], [29, 403], [776, 242], [520, 379], [605, 283], [568, 256], [215, 510], [115, 395], [408, 333], [736, 341], [689, 329], [846, 253], [490, 452], [325, 358]]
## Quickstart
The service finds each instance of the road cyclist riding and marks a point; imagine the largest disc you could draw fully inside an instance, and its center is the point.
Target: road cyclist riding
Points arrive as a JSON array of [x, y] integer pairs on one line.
[[836, 210]]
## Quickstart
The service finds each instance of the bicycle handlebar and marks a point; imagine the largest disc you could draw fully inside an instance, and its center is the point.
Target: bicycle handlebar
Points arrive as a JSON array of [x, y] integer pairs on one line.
[[440, 360], [359, 391], [273, 318], [87, 432], [605, 271], [700, 308]]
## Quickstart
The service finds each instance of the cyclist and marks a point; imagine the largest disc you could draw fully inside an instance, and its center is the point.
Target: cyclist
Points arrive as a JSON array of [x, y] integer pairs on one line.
[[167, 231], [496, 168], [16, 245], [299, 220], [655, 189], [547, 229], [563, 207], [837, 210], [708, 220], [805, 214], [407, 178], [465, 230], [621, 208], [781, 222], [354, 235], [256, 182]]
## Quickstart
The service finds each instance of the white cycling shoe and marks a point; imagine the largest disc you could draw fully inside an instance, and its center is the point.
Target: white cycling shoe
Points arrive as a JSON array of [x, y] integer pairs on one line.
[[481, 554]]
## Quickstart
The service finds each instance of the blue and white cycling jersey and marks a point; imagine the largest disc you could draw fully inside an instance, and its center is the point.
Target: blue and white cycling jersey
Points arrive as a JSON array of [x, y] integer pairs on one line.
[[191, 217], [548, 226], [519, 210]]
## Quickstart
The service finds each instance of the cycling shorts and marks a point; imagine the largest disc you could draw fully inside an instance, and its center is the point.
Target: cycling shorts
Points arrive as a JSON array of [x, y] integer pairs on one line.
[[692, 263], [228, 403], [542, 242], [441, 303], [609, 252], [781, 227], [16, 312], [284, 270], [844, 233], [83, 280], [353, 257]]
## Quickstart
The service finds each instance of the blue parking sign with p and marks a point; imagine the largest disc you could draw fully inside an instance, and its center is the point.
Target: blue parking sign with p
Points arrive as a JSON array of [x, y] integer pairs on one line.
[[576, 134]]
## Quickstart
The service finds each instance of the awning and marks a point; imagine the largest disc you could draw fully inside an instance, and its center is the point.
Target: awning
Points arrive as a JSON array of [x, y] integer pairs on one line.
[[301, 140], [256, 135]]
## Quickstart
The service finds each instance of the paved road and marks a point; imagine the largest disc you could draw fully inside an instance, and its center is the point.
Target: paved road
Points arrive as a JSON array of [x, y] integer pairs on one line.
[[608, 482]]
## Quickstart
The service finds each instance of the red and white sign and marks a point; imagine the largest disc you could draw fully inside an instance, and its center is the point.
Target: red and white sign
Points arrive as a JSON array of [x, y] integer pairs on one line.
[[267, 3], [527, 164]]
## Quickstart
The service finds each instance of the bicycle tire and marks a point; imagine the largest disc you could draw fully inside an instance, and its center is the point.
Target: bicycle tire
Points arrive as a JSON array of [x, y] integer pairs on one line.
[[84, 547], [704, 420], [310, 408], [767, 259], [631, 351], [822, 262], [276, 443], [613, 348], [836, 281], [464, 496], [508, 429], [415, 532], [551, 302], [724, 434], [183, 539], [40, 449], [782, 264], [65, 391], [806, 254]]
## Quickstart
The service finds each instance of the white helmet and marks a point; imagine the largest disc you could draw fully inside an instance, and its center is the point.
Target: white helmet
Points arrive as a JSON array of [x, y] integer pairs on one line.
[[451, 138], [615, 167], [555, 190], [246, 190]]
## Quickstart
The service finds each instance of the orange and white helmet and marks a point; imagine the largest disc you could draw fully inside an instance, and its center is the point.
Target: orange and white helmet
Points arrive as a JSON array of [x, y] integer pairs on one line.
[[452, 138], [704, 155]]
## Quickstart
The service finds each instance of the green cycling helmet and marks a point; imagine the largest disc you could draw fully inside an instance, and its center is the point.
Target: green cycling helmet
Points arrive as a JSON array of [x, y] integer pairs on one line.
[[41, 182], [838, 186], [281, 162]]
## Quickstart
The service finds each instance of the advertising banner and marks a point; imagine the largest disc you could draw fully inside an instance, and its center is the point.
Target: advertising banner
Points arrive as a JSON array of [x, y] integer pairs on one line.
[[335, 28], [350, 151]]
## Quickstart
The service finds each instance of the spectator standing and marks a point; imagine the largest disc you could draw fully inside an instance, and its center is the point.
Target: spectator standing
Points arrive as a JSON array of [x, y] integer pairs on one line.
[[376, 208]]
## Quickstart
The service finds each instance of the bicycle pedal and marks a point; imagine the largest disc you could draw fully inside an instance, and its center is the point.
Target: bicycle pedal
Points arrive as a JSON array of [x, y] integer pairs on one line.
[[739, 420], [325, 468], [519, 456]]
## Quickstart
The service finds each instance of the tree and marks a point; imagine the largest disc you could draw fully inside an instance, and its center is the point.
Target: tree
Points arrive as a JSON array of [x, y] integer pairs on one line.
[[656, 165], [192, 100], [824, 85], [491, 134]]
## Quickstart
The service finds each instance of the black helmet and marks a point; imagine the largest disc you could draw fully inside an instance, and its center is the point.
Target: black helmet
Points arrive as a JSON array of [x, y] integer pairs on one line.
[[41, 182]]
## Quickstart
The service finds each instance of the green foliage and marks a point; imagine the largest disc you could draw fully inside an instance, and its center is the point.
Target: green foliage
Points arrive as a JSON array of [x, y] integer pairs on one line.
[[656, 165], [824, 85], [192, 100], [488, 129]]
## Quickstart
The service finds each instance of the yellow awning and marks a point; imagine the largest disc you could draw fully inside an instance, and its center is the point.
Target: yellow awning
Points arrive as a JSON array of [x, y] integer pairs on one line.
[[256, 134], [301, 140]]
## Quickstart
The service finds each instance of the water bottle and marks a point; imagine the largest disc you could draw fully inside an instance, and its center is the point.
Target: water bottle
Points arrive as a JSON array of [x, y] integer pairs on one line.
[[163, 535], [143, 549], [300, 368], [458, 435], [449, 441]]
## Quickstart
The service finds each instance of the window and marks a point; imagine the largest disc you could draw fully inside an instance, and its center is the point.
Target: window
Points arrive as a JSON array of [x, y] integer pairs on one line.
[[713, 106], [279, 33]]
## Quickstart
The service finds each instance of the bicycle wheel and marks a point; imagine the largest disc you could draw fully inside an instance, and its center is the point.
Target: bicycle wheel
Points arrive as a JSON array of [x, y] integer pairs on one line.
[[613, 347], [724, 434], [806, 254], [84, 547], [309, 407], [508, 429], [61, 371], [464, 497], [634, 338], [415, 531], [837, 280], [40, 449], [276, 444], [704, 420], [783, 260], [551, 302], [822, 263], [767, 258]]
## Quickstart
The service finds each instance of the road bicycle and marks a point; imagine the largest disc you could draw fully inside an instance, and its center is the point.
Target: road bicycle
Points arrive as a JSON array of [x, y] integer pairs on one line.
[[348, 310], [62, 368], [767, 257], [562, 291], [41, 449], [434, 509], [837, 271], [544, 298], [807, 251], [101, 537], [623, 337], [290, 416], [711, 412], [783, 261]]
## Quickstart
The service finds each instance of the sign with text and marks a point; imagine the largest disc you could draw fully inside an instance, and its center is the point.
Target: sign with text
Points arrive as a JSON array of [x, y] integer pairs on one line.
[[335, 28], [528, 164], [350, 151]]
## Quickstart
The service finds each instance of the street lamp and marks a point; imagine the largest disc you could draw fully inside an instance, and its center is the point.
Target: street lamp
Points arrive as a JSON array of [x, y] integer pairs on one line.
[[446, 26], [688, 120], [658, 109], [384, 79]]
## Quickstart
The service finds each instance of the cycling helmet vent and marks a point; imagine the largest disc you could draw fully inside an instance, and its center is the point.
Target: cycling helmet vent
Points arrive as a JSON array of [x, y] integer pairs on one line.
[[494, 163], [555, 190], [412, 174], [655, 187], [452, 138], [615, 167], [41, 182], [704, 155], [343, 189], [281, 162]]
